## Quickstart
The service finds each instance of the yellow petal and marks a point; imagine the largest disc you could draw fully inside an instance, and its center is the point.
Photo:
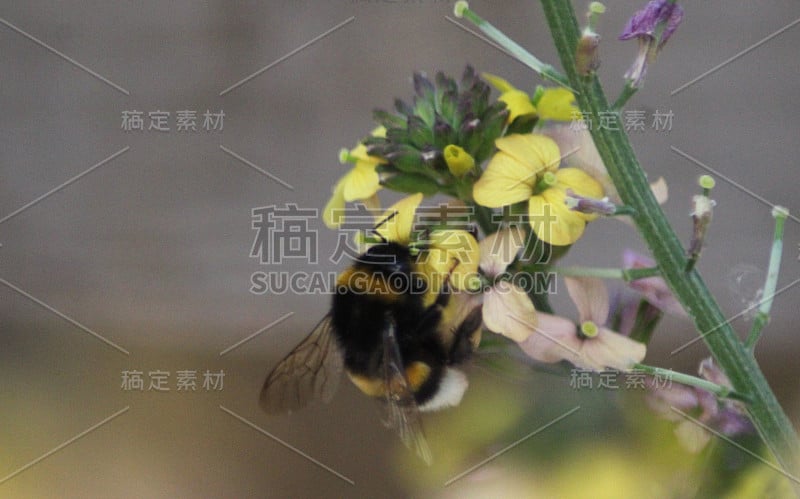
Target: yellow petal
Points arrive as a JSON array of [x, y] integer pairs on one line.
[[583, 154], [506, 181], [453, 253], [398, 220], [581, 184], [499, 249], [499, 83], [552, 221], [507, 310], [518, 103], [333, 213], [361, 182], [536, 152], [557, 104]]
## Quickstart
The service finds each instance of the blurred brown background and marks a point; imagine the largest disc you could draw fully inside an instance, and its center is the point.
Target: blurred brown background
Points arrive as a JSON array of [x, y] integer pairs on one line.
[[151, 249]]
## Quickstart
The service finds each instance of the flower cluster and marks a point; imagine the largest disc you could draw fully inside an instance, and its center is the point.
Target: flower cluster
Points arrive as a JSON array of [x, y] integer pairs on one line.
[[490, 153]]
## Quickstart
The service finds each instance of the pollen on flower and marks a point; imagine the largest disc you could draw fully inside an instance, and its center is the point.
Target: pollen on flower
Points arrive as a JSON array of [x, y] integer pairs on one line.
[[589, 329]]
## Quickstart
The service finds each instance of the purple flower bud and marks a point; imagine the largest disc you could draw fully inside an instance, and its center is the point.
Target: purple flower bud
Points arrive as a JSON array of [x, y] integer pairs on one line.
[[644, 23], [657, 15]]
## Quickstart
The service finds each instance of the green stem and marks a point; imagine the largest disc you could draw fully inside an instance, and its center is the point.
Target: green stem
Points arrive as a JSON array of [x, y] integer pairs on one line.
[[617, 154], [627, 92], [687, 379], [762, 318]]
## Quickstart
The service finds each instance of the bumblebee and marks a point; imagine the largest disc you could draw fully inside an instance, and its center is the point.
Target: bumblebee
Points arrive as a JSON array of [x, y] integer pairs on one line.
[[397, 340]]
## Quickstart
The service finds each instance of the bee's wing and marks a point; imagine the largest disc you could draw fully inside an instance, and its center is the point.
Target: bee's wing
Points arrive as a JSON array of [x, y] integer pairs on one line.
[[403, 413], [311, 370]]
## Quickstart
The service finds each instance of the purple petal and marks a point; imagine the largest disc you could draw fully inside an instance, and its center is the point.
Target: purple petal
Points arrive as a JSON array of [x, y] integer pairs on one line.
[[643, 24]]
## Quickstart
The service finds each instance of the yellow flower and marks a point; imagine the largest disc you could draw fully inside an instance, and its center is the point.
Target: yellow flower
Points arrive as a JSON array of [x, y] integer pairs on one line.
[[512, 173], [526, 168], [361, 183], [554, 103]]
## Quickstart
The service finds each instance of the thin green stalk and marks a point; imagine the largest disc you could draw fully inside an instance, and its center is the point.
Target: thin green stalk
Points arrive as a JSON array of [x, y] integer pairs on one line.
[[627, 92], [689, 380], [617, 153], [516, 50], [762, 318], [626, 275]]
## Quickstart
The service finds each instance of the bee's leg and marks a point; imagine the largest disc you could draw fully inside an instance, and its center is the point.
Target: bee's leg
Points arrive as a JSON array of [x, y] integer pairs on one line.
[[462, 346]]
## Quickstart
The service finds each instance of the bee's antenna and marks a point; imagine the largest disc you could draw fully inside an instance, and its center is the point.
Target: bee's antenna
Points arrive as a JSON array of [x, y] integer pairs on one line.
[[380, 224]]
